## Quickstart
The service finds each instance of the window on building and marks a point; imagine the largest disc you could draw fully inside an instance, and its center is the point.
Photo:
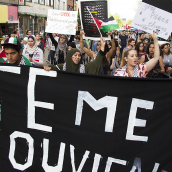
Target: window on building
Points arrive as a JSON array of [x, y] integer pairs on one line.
[[28, 0], [52, 3], [42, 2], [63, 5], [68, 7], [48, 2], [36, 1]]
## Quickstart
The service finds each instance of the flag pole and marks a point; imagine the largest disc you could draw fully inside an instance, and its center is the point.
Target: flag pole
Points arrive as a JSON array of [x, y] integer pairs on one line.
[[94, 20]]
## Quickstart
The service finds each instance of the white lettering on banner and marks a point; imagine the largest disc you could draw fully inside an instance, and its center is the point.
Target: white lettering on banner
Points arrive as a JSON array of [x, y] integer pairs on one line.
[[96, 162], [30, 141], [73, 159], [105, 102], [133, 121], [10, 69], [59, 166], [111, 160], [155, 169], [31, 99], [136, 165]]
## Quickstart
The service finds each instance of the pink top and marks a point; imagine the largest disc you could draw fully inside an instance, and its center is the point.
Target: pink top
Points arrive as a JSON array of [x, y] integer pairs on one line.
[[140, 71]]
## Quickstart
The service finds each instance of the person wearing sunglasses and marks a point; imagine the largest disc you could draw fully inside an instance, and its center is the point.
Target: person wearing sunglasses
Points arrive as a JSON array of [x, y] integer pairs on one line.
[[61, 47]]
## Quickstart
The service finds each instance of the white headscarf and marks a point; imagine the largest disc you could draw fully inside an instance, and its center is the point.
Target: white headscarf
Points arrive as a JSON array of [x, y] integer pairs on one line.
[[26, 39], [31, 50]]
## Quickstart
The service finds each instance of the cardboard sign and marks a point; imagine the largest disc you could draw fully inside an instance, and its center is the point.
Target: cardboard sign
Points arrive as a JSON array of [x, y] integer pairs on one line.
[[98, 9], [150, 18], [62, 22]]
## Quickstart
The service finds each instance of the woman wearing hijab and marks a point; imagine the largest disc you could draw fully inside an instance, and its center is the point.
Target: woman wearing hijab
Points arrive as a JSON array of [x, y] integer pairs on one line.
[[61, 47], [33, 53], [73, 62], [108, 52]]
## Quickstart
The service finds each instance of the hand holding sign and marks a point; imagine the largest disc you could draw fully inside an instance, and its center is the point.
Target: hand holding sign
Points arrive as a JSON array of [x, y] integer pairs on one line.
[[82, 32], [150, 18], [154, 36]]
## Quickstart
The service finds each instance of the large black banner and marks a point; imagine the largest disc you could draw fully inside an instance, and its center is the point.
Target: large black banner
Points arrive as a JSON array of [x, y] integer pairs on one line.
[[59, 121]]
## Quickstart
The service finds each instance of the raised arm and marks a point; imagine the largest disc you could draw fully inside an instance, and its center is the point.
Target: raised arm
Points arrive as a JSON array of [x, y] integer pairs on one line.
[[86, 50], [111, 51], [151, 63], [53, 40]]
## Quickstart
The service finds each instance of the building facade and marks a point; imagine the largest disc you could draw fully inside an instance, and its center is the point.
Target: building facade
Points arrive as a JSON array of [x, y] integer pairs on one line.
[[9, 16], [71, 5], [33, 14], [22, 15]]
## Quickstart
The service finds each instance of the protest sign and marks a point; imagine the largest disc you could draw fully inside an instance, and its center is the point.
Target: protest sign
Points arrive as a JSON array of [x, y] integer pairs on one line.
[[62, 22], [164, 5], [150, 18], [64, 122], [98, 9]]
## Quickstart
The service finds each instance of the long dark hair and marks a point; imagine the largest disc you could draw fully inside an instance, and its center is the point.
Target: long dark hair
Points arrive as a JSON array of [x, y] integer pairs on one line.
[[161, 52], [147, 48], [137, 47], [106, 47]]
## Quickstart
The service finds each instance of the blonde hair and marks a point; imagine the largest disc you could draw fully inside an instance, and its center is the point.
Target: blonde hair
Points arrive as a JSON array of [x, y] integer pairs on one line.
[[125, 54]]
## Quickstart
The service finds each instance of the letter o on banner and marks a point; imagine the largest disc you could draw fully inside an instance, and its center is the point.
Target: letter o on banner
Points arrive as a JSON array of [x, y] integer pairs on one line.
[[30, 141]]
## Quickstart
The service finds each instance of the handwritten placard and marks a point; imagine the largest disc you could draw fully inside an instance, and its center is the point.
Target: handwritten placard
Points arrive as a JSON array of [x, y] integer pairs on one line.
[[62, 22], [150, 18]]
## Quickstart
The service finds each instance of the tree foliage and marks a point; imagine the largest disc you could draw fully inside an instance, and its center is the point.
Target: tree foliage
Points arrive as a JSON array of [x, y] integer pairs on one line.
[[128, 22], [118, 19], [138, 4]]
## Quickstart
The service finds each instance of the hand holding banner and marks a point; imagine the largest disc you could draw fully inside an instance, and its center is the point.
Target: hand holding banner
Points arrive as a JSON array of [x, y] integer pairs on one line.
[[63, 22]]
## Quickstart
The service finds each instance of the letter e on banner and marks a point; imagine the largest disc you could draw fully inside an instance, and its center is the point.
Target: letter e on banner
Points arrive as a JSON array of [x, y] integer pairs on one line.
[[133, 121], [31, 99]]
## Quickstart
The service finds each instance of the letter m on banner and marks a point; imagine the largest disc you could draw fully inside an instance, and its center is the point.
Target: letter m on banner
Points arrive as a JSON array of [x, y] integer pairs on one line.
[[105, 102]]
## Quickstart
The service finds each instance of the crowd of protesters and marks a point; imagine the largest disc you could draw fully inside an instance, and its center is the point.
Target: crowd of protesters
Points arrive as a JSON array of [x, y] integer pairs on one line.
[[127, 54]]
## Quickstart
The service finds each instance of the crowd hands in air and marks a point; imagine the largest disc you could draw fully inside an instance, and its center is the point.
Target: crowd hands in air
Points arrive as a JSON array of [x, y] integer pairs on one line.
[[125, 55]]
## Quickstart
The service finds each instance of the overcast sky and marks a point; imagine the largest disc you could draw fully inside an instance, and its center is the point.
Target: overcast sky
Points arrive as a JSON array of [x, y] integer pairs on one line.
[[125, 8]]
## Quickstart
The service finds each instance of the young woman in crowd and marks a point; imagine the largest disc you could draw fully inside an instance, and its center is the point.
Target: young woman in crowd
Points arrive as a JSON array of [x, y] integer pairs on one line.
[[158, 70], [39, 43], [73, 62], [140, 50], [61, 47], [167, 59], [107, 53], [130, 66], [33, 52]]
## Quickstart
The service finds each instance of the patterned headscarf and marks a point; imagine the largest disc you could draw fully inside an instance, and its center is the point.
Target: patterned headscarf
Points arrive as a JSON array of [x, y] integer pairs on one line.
[[62, 46]]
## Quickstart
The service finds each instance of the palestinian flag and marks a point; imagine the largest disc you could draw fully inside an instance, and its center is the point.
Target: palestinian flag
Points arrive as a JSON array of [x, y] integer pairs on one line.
[[107, 25]]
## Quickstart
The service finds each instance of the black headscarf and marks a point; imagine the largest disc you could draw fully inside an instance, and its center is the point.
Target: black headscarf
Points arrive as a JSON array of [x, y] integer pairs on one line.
[[70, 65]]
